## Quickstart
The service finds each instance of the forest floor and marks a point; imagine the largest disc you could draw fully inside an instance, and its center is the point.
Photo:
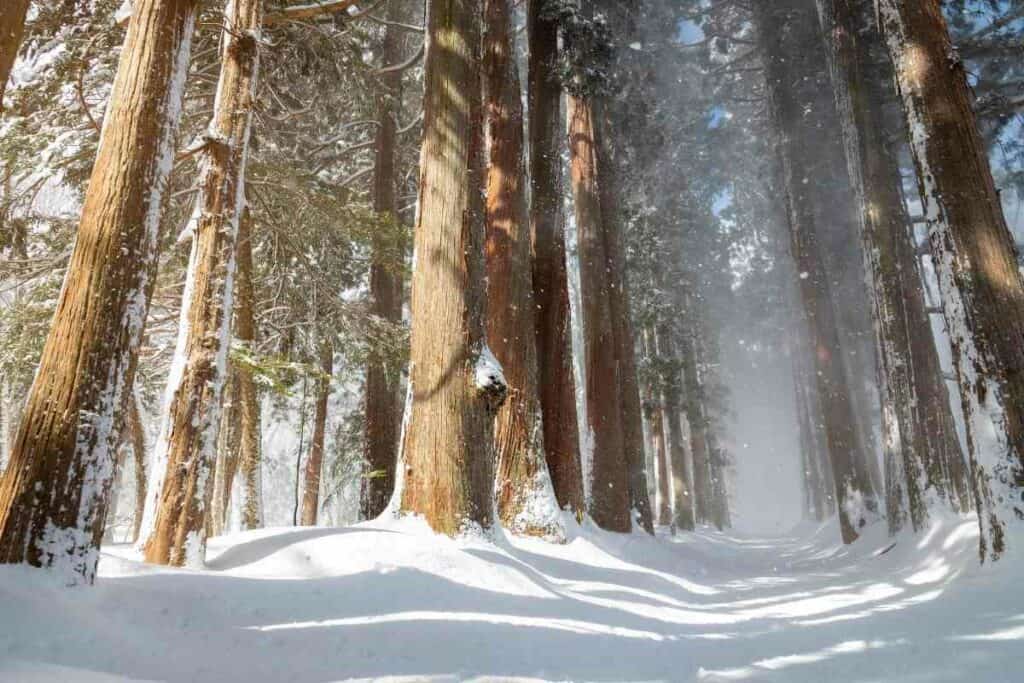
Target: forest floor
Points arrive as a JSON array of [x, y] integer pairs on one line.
[[392, 601]]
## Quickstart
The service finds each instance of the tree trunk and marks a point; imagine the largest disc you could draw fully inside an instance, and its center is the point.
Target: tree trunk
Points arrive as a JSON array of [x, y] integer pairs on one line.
[[249, 459], [193, 413], [137, 433], [693, 409], [383, 403], [526, 502], [656, 426], [64, 453], [610, 493], [856, 498], [227, 457], [315, 461], [672, 410], [882, 226], [550, 280], [981, 285], [12, 28], [455, 385]]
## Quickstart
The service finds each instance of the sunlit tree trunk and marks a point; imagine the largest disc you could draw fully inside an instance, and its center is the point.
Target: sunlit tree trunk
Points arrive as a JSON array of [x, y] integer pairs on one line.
[[857, 504], [455, 387], [383, 403], [315, 461], [55, 490], [12, 28], [550, 281], [526, 502], [974, 255], [194, 410]]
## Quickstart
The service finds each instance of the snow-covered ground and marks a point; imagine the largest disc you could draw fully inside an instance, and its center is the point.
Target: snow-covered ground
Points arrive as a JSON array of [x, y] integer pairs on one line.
[[391, 601]]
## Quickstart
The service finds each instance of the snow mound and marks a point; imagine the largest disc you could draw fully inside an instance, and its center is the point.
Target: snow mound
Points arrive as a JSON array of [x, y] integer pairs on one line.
[[390, 600]]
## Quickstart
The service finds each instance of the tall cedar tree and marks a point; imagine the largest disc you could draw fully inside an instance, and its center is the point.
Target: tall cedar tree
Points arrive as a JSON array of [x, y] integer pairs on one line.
[[897, 293], [557, 384], [973, 252], [656, 428], [55, 490], [778, 25], [196, 387], [455, 386], [383, 403], [526, 503], [610, 499]]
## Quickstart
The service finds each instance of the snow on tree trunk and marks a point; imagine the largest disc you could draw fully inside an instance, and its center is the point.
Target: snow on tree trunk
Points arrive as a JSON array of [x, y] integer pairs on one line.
[[315, 461], [193, 416], [383, 400], [526, 500], [974, 256], [857, 504], [550, 279], [883, 225], [12, 28], [455, 387], [54, 494], [655, 418]]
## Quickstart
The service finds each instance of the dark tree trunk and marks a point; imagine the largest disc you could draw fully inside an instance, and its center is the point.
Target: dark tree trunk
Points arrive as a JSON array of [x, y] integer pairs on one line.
[[383, 375], [12, 28], [550, 280]]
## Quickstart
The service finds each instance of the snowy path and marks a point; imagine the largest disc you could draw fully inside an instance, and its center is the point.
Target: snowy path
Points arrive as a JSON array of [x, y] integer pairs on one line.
[[392, 601]]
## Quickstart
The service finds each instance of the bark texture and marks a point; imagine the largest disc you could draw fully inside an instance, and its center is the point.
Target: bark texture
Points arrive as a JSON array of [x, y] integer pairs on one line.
[[610, 492], [12, 29], [315, 461], [974, 255], [383, 403], [550, 279], [250, 433], [526, 502], [194, 410], [55, 490], [447, 445]]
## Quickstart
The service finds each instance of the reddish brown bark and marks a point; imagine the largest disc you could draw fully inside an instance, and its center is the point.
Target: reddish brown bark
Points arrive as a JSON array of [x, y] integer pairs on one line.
[[610, 494], [526, 503], [550, 280], [447, 451]]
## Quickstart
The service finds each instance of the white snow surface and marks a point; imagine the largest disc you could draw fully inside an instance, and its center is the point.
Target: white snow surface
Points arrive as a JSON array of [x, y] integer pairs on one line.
[[389, 600]]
